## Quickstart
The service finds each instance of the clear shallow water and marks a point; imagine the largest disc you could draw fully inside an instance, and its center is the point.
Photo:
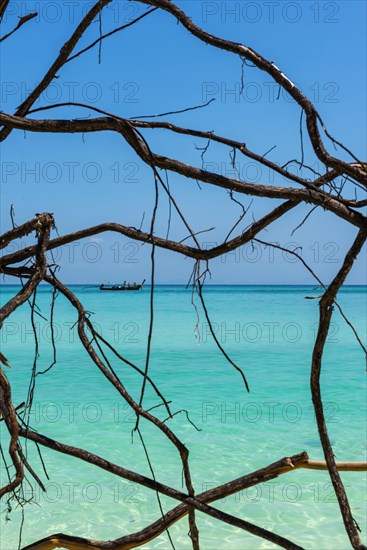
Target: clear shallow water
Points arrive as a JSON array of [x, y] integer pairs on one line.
[[269, 332]]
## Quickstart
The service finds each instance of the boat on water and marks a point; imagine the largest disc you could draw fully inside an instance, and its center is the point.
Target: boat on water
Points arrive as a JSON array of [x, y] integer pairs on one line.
[[125, 286]]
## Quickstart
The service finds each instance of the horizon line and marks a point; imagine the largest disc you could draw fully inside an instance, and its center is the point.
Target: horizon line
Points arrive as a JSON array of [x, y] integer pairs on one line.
[[207, 284]]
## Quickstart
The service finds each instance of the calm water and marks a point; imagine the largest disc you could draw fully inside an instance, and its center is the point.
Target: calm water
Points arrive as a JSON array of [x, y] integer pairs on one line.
[[269, 332]]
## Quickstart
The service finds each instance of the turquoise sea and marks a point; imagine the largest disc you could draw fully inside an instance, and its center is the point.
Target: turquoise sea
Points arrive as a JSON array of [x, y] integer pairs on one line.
[[269, 332]]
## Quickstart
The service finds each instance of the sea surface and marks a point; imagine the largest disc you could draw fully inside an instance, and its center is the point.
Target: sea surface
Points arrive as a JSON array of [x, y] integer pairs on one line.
[[268, 331]]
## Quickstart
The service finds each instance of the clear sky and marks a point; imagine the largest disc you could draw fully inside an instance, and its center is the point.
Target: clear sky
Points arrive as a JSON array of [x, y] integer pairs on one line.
[[157, 66]]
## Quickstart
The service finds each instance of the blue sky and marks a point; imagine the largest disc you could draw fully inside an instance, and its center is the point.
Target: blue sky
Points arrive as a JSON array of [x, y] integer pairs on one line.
[[156, 66]]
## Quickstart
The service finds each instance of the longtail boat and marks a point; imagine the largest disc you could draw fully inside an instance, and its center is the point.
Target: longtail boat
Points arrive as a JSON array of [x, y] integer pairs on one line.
[[122, 287]]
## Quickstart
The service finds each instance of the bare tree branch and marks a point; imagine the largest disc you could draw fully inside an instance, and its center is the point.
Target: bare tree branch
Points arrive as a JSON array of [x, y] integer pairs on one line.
[[323, 190], [21, 22]]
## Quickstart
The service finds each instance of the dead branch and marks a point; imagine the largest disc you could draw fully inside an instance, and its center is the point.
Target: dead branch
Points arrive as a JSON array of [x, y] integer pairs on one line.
[[22, 21], [3, 6], [326, 310], [42, 223], [124, 127], [323, 191], [285, 465], [312, 117], [61, 59]]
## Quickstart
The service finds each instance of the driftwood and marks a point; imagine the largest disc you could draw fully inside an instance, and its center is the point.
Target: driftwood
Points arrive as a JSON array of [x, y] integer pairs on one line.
[[132, 541]]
